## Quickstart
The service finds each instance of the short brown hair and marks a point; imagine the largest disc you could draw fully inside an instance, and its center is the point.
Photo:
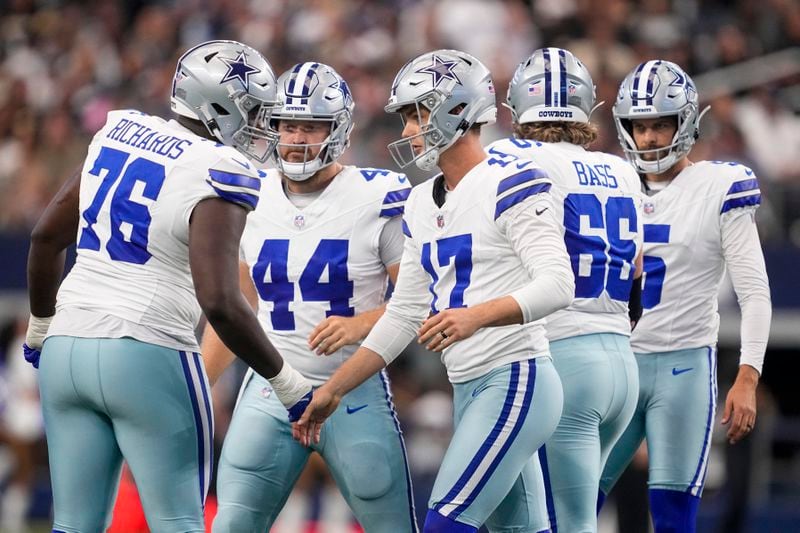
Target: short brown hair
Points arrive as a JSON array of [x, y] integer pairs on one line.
[[580, 133]]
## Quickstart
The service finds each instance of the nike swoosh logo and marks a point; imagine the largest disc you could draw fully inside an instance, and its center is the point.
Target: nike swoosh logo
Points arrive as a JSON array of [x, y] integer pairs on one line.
[[351, 410], [522, 165], [540, 211], [677, 371], [245, 164]]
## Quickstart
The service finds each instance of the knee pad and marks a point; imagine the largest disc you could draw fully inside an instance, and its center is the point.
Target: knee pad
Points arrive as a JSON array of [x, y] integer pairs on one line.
[[673, 511], [369, 472], [436, 523]]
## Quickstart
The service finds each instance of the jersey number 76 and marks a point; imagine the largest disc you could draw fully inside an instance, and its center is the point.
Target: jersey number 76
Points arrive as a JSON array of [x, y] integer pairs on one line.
[[130, 220]]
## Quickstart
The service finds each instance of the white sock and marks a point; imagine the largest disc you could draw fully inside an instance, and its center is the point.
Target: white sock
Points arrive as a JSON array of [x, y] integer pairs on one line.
[[14, 509], [335, 516], [294, 515]]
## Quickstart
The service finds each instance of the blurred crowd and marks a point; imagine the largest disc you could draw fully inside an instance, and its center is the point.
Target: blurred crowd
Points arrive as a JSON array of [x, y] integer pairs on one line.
[[64, 64]]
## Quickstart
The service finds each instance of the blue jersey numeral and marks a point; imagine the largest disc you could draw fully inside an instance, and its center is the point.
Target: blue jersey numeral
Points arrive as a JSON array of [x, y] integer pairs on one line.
[[456, 250], [612, 256], [330, 255], [654, 267], [127, 215]]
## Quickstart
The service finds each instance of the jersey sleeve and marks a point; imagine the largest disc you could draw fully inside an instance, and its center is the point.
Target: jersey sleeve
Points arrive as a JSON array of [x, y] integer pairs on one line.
[[517, 188], [394, 200], [234, 183], [394, 192], [742, 192], [525, 212], [744, 260]]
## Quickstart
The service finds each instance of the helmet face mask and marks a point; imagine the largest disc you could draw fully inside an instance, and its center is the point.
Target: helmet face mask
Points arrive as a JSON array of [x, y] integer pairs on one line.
[[402, 150], [657, 89], [231, 89], [456, 92], [314, 92], [551, 85]]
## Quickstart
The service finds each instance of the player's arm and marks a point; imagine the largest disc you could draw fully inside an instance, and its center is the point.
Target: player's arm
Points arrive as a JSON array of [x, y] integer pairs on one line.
[[56, 230], [391, 334], [216, 356], [635, 308], [745, 262], [334, 332], [535, 235], [215, 229]]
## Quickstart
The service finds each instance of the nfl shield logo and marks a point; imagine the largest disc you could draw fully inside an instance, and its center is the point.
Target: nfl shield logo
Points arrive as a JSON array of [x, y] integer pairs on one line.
[[299, 221], [440, 220], [649, 207]]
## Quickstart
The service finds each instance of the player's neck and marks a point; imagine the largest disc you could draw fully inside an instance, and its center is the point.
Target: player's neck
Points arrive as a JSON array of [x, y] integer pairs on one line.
[[463, 156], [195, 126], [670, 174], [315, 183]]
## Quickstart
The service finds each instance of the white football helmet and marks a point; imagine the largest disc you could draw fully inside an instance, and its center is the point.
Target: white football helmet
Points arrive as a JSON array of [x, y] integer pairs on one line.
[[231, 89], [552, 85], [458, 92], [653, 89], [315, 91]]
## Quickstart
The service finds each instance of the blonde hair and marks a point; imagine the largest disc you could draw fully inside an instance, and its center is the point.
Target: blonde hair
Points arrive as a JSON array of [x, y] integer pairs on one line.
[[580, 133]]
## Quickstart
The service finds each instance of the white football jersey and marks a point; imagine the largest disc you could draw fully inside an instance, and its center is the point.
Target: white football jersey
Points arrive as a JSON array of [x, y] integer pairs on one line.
[[464, 257], [683, 254], [321, 260], [142, 178], [597, 198]]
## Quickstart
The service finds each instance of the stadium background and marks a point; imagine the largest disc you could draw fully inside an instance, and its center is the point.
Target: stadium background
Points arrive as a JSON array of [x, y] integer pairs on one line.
[[63, 65]]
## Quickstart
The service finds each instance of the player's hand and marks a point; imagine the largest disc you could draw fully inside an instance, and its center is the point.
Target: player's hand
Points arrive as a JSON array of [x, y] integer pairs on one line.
[[308, 429], [449, 326], [335, 332], [32, 355], [740, 404], [296, 410]]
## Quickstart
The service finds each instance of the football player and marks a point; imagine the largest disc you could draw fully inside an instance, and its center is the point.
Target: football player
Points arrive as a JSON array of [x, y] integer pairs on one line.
[[316, 256], [158, 210], [483, 262], [551, 97], [698, 220]]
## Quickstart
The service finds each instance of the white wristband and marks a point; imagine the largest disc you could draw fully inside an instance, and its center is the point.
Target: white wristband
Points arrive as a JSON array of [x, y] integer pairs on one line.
[[37, 331], [289, 385]]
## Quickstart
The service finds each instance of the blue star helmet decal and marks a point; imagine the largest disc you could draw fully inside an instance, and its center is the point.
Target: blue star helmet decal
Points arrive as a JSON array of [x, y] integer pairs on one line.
[[440, 70], [239, 69], [342, 87]]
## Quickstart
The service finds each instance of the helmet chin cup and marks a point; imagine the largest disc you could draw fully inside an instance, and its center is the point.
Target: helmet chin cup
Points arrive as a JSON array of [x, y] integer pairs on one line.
[[428, 160], [300, 171], [659, 166]]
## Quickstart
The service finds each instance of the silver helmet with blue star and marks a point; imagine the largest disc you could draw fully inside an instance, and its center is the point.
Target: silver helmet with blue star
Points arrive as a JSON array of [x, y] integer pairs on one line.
[[232, 90], [457, 91], [654, 89], [314, 91]]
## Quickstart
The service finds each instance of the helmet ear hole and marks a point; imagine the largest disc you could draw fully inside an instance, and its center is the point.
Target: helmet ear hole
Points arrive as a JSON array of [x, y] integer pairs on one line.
[[457, 110], [219, 109]]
